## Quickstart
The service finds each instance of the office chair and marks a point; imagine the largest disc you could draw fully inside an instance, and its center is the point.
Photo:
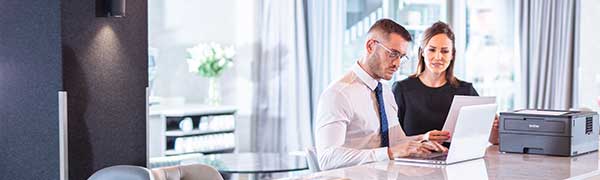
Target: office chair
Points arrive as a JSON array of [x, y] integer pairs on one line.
[[122, 172], [311, 158], [187, 172]]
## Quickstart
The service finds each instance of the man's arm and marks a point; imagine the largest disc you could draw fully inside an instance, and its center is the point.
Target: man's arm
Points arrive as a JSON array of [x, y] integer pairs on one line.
[[332, 154], [333, 116]]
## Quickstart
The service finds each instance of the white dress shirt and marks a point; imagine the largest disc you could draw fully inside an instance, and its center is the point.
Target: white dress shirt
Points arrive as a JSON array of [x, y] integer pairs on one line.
[[348, 123]]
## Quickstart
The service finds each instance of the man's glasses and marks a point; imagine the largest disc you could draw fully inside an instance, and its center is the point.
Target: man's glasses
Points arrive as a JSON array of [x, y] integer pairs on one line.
[[393, 54]]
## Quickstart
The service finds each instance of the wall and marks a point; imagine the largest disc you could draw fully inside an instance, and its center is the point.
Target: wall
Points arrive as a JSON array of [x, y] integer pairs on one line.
[[30, 78], [179, 24], [175, 25], [105, 76], [51, 45]]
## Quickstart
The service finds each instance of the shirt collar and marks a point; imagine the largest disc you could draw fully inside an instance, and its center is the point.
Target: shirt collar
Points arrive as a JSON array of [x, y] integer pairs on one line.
[[364, 76]]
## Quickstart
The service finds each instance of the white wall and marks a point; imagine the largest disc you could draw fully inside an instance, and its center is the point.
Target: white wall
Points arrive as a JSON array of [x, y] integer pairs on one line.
[[589, 68], [175, 25]]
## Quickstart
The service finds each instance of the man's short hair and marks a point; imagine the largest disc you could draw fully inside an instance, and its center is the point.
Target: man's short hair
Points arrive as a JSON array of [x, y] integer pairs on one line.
[[388, 26]]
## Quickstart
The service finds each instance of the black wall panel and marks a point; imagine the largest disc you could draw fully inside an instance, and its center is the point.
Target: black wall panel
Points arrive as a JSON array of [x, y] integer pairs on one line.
[[30, 78], [52, 45], [105, 75]]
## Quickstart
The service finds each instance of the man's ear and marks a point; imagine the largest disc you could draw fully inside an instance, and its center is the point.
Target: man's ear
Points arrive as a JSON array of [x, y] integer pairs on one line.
[[369, 46]]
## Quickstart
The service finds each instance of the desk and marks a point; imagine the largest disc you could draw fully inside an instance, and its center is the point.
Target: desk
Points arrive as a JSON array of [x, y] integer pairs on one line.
[[495, 165]]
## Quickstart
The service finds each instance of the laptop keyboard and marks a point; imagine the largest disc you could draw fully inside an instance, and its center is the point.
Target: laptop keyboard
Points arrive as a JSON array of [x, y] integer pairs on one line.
[[436, 156]]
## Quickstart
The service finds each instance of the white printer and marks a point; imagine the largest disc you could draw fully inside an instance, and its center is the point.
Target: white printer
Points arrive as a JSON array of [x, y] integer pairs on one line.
[[549, 132]]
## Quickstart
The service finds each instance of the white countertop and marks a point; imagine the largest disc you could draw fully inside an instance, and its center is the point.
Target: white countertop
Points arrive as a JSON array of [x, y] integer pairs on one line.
[[495, 165]]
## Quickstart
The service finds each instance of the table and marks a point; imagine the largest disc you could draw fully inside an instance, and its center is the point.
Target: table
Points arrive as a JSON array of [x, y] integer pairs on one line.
[[254, 162], [495, 165]]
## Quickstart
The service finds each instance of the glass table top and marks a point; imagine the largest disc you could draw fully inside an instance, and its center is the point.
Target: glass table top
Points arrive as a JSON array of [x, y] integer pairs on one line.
[[252, 162]]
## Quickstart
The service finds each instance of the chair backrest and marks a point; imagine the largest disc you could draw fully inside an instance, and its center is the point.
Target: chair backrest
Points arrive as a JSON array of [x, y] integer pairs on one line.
[[122, 172], [311, 158], [187, 172]]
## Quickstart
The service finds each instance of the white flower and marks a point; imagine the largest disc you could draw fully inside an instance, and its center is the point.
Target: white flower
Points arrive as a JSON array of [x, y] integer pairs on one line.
[[209, 59], [193, 65], [222, 62], [218, 52], [229, 52]]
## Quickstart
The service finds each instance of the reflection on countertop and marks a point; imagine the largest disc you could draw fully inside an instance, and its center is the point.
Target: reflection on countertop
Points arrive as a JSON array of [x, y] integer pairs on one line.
[[495, 165]]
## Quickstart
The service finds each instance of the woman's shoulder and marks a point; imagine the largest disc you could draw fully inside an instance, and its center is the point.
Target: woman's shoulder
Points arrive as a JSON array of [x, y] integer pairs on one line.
[[405, 84], [464, 84], [466, 88]]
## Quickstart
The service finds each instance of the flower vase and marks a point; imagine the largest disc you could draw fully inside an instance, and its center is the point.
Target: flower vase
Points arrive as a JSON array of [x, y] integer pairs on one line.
[[214, 98]]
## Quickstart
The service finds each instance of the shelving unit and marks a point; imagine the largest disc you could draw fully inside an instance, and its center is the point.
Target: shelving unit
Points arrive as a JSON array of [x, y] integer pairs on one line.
[[215, 151], [179, 133], [210, 129]]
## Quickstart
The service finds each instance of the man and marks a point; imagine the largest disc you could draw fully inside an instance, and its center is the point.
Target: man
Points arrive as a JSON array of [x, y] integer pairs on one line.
[[356, 117]]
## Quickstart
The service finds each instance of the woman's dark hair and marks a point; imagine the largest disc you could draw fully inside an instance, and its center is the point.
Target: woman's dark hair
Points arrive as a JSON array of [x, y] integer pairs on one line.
[[435, 29]]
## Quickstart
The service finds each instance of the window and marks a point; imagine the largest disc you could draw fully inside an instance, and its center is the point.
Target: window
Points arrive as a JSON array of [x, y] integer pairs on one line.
[[414, 15], [360, 15], [490, 61], [588, 72], [488, 58]]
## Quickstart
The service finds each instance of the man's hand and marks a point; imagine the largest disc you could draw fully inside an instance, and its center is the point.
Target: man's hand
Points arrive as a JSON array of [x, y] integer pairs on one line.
[[415, 148], [438, 136]]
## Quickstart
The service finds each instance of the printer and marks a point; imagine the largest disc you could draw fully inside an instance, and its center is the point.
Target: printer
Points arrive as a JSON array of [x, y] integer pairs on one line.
[[548, 132]]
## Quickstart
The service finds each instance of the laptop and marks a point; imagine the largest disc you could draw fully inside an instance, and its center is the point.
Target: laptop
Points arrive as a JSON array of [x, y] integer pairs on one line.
[[469, 139]]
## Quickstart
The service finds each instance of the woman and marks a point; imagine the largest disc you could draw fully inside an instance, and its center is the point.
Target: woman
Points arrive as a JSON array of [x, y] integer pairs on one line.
[[424, 98]]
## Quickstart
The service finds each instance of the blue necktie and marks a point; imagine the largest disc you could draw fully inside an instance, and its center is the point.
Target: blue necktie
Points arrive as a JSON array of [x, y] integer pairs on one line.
[[384, 123]]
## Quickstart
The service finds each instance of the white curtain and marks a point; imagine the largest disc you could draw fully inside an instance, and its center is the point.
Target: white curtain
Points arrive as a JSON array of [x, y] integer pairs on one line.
[[548, 46], [326, 22], [281, 106]]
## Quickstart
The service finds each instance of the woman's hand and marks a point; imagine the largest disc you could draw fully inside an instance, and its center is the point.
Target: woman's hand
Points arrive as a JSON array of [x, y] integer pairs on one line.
[[437, 136], [494, 134], [496, 124]]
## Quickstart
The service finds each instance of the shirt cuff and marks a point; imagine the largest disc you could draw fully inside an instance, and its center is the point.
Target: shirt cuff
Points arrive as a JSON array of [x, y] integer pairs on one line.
[[381, 154]]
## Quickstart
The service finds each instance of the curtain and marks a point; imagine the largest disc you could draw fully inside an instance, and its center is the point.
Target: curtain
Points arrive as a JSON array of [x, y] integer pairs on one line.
[[325, 39], [547, 46], [281, 105]]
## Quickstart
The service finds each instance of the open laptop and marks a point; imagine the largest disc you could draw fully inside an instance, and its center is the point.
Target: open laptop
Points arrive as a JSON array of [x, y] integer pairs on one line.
[[458, 102], [469, 139]]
